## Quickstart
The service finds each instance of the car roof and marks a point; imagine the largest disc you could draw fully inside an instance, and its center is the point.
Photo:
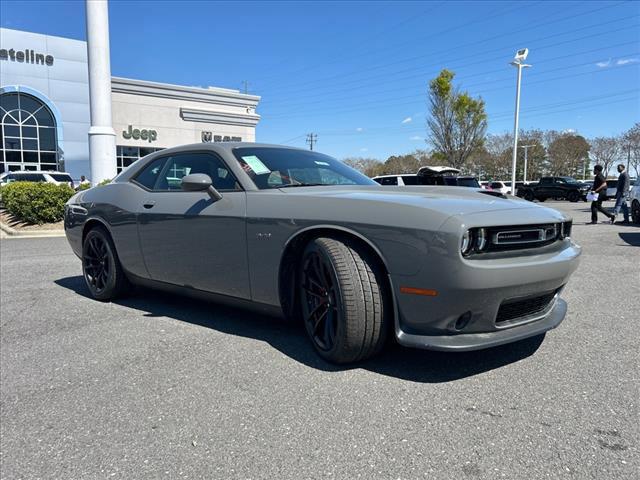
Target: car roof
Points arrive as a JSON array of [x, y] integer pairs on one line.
[[55, 172], [429, 170], [396, 175]]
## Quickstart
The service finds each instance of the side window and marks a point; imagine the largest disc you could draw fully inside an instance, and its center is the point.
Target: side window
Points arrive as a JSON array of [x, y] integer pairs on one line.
[[184, 164], [389, 181], [150, 174], [546, 181], [410, 179]]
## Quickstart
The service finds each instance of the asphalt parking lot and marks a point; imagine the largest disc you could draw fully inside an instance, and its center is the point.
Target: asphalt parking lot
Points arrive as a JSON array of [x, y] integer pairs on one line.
[[159, 386]]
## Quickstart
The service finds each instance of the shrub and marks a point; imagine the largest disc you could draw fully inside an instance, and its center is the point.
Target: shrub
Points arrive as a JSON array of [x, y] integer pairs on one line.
[[36, 202], [105, 182], [84, 186]]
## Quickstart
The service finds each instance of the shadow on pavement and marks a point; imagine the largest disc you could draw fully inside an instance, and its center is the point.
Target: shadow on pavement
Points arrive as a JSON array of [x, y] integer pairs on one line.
[[290, 338], [631, 238]]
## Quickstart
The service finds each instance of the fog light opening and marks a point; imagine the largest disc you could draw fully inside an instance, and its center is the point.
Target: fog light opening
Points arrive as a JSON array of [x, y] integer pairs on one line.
[[463, 320]]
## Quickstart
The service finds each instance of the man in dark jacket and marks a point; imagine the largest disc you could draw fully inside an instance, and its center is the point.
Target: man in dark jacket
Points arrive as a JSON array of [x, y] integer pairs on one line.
[[622, 192], [599, 187]]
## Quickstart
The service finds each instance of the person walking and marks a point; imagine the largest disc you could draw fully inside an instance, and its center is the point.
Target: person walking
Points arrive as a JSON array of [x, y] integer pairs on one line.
[[599, 187], [622, 192]]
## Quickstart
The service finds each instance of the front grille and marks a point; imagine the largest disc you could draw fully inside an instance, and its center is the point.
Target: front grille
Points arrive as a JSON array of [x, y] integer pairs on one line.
[[524, 307], [522, 236]]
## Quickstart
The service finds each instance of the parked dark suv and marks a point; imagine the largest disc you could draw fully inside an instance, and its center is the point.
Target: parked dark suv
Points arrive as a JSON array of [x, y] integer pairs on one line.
[[560, 188]]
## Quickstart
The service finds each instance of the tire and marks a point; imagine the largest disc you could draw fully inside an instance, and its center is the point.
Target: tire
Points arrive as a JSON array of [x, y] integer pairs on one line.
[[101, 266], [342, 301], [529, 196], [542, 199], [635, 211], [573, 196]]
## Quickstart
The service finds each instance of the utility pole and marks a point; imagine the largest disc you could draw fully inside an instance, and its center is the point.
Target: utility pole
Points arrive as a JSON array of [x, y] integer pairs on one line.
[[518, 62], [312, 138], [526, 148], [246, 86]]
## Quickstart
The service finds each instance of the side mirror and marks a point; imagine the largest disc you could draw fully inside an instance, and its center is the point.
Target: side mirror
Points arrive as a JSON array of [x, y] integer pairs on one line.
[[198, 182]]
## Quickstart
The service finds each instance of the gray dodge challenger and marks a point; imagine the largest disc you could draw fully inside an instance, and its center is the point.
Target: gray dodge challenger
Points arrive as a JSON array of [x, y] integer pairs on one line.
[[299, 234]]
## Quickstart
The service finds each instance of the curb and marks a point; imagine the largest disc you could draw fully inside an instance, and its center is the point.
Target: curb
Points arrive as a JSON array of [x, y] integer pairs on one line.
[[12, 232]]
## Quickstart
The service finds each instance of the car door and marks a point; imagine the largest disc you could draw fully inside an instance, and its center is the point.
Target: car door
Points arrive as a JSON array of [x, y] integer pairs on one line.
[[188, 239], [545, 187]]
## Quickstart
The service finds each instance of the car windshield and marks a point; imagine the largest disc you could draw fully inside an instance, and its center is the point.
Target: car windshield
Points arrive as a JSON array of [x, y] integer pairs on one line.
[[568, 180], [283, 167], [468, 182], [60, 177]]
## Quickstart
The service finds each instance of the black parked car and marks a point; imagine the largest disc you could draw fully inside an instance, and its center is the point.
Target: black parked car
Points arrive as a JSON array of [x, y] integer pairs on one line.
[[560, 188]]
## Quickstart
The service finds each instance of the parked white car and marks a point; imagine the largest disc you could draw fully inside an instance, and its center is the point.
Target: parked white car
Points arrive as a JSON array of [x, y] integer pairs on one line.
[[58, 178], [497, 187]]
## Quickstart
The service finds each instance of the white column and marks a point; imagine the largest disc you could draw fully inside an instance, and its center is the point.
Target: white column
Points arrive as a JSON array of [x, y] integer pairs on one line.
[[102, 138]]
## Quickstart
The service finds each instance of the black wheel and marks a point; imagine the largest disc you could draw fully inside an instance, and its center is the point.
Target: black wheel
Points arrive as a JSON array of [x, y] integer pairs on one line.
[[542, 199], [573, 196], [529, 196], [635, 211], [342, 301], [101, 267]]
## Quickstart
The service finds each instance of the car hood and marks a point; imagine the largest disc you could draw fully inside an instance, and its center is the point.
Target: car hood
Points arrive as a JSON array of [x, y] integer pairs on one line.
[[452, 200]]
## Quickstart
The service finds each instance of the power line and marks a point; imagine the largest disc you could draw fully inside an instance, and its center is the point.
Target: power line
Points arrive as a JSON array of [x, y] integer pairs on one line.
[[377, 103], [307, 102], [378, 50], [546, 109], [372, 79], [458, 48]]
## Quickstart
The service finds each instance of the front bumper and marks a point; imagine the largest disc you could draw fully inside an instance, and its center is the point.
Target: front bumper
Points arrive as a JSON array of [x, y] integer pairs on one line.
[[478, 289], [476, 341]]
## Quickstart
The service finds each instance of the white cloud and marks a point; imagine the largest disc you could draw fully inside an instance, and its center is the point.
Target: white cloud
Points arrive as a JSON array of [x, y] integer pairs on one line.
[[416, 137], [626, 61], [359, 129], [406, 120], [604, 64], [364, 149]]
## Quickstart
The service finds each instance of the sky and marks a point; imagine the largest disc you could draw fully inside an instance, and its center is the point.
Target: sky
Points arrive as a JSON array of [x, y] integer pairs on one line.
[[357, 73]]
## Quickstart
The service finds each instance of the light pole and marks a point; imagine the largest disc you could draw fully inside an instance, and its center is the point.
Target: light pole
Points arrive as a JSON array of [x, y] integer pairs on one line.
[[526, 149], [102, 138], [518, 62]]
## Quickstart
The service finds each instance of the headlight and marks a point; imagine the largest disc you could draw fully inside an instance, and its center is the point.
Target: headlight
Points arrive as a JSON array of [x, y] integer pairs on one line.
[[481, 239], [565, 230], [466, 244]]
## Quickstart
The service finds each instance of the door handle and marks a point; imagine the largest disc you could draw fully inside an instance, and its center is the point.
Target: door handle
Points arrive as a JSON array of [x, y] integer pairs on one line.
[[149, 204]]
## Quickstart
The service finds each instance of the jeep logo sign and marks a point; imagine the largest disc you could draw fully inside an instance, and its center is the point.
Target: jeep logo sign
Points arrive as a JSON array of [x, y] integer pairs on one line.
[[137, 134]]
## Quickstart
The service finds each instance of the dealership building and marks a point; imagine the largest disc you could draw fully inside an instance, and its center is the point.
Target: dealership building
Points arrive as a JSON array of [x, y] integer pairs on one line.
[[45, 113]]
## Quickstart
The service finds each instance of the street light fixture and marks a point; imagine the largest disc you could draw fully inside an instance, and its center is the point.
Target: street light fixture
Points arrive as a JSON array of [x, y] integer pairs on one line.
[[518, 61]]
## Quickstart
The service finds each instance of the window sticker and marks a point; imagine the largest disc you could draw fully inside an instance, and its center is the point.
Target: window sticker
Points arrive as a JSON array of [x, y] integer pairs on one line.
[[317, 162], [256, 164]]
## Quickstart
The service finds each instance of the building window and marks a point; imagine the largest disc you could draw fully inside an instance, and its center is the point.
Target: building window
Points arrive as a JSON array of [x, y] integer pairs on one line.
[[28, 136], [127, 155]]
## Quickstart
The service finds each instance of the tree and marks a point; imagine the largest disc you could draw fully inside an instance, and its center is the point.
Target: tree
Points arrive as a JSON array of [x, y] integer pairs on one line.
[[536, 154], [498, 163], [631, 146], [457, 123], [364, 165], [568, 154], [605, 151]]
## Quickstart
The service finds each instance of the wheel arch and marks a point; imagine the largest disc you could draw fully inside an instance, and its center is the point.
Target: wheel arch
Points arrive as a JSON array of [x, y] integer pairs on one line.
[[293, 248], [92, 223]]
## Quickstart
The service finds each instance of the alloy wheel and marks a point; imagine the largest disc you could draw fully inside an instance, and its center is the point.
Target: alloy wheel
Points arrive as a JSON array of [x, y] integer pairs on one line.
[[320, 294], [96, 262]]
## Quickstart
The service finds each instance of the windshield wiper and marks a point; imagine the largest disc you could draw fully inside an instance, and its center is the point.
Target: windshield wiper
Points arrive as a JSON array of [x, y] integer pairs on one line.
[[301, 185]]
